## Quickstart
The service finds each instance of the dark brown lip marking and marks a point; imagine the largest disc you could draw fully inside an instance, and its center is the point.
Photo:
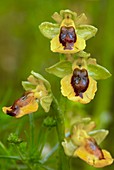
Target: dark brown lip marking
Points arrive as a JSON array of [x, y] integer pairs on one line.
[[92, 147], [80, 81], [67, 37], [21, 102]]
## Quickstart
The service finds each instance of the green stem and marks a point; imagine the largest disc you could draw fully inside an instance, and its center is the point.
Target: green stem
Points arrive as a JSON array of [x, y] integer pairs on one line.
[[63, 160], [31, 120], [60, 120]]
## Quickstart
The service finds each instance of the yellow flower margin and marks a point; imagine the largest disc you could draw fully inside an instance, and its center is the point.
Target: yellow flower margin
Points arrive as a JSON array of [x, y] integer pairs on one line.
[[68, 91], [91, 159], [79, 45]]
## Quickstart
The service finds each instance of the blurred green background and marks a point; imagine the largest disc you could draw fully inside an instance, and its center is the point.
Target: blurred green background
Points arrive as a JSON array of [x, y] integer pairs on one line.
[[23, 48]]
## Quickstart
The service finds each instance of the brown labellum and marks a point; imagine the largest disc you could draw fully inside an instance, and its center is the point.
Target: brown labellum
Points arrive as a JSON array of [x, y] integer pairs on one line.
[[80, 81], [92, 147], [67, 37], [21, 102]]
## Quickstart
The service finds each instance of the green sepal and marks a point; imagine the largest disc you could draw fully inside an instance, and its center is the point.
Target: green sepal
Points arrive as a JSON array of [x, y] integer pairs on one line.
[[69, 13], [49, 29], [36, 76], [82, 121], [40, 77], [98, 72], [99, 135], [28, 86], [69, 147], [46, 101], [86, 31], [60, 69]]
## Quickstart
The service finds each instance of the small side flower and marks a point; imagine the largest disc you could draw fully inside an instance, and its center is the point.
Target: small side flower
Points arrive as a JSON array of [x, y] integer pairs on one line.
[[37, 91], [84, 143], [22, 106], [91, 153]]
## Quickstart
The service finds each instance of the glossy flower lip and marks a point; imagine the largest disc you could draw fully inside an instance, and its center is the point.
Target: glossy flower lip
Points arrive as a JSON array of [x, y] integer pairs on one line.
[[93, 155], [22, 106], [68, 90], [67, 41]]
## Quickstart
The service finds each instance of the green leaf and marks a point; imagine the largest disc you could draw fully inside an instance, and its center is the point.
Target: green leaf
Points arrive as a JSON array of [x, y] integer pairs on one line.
[[98, 72], [60, 69], [99, 135], [49, 29], [86, 31]]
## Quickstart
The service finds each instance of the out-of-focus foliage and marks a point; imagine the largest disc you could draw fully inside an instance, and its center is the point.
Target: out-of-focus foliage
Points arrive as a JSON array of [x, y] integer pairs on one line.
[[23, 48]]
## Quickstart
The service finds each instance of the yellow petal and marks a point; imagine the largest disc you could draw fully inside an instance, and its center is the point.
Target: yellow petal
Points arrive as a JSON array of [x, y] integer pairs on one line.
[[79, 45], [91, 159], [30, 108], [67, 90], [108, 160], [5, 109], [56, 46]]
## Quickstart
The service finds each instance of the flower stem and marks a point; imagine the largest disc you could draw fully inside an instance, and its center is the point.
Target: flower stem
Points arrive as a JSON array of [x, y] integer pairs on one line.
[[60, 120], [63, 160], [31, 120]]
